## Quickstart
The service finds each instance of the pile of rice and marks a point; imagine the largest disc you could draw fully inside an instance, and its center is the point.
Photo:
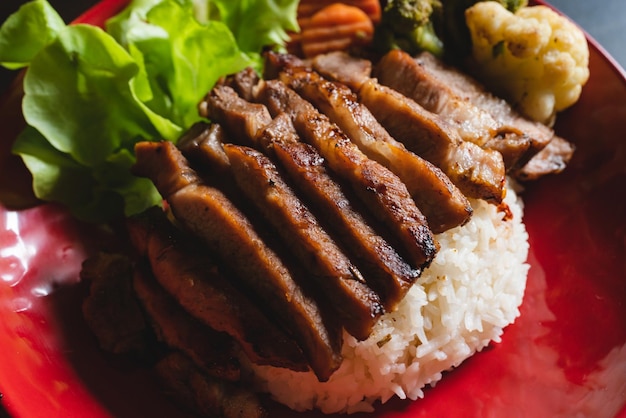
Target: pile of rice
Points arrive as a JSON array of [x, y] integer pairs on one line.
[[461, 303]]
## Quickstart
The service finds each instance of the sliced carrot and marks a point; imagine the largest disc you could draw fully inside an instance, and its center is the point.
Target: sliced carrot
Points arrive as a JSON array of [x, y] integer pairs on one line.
[[308, 8], [336, 27]]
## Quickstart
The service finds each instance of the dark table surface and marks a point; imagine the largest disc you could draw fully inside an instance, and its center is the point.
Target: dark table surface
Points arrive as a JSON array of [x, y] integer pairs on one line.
[[604, 21]]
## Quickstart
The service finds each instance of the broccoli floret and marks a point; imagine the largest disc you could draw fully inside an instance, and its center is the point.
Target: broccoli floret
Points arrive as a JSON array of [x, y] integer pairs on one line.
[[410, 26]]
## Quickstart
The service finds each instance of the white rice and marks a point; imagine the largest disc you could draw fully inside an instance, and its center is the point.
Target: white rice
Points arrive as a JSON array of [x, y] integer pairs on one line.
[[460, 304]]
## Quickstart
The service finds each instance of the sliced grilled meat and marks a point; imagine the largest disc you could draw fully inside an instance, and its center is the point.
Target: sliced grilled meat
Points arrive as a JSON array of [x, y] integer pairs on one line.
[[401, 72], [550, 160], [445, 90], [439, 200], [209, 396], [193, 279], [383, 192], [357, 306], [111, 309], [384, 270], [340, 66], [209, 214], [476, 172], [244, 83], [244, 122], [202, 143], [215, 352]]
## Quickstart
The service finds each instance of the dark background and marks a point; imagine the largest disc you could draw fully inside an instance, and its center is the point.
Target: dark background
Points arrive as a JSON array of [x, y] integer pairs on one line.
[[604, 21]]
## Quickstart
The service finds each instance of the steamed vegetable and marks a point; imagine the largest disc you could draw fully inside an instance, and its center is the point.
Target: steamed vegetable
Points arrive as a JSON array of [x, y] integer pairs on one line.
[[455, 33], [410, 25], [91, 94], [535, 58]]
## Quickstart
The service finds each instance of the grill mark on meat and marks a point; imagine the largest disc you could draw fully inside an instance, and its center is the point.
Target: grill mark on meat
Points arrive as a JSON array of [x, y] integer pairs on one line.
[[382, 191], [210, 397], [442, 203], [215, 352], [205, 211], [384, 269], [198, 286], [476, 172], [341, 282], [401, 72], [512, 127]]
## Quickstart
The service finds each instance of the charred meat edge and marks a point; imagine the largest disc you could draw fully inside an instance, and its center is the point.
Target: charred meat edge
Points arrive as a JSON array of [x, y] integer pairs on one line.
[[209, 214], [215, 352], [478, 173], [442, 203], [381, 190], [209, 396], [356, 304], [384, 269], [192, 278]]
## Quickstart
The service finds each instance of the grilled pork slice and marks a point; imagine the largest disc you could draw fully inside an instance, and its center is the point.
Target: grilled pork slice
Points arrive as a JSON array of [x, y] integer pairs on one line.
[[215, 352], [244, 122], [550, 160], [202, 143], [401, 72], [351, 71], [382, 191], [436, 196], [384, 269], [476, 172], [209, 214], [190, 276], [112, 310], [341, 282], [209, 396], [446, 91]]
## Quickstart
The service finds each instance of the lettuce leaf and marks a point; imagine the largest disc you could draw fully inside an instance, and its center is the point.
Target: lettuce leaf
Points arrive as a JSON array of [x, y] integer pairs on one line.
[[92, 94]]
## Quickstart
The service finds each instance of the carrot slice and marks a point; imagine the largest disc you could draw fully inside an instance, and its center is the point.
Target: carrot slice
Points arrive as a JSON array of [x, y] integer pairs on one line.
[[336, 27]]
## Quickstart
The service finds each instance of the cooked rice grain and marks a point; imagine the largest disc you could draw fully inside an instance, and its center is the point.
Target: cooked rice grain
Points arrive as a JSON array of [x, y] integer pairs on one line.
[[461, 303]]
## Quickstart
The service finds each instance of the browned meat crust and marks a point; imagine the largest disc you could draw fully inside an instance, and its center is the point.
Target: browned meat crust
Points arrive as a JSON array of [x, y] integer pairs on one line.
[[194, 281], [550, 160], [215, 352], [208, 213], [441, 202], [112, 310], [384, 269], [357, 306], [476, 172], [202, 143], [209, 396], [381, 190]]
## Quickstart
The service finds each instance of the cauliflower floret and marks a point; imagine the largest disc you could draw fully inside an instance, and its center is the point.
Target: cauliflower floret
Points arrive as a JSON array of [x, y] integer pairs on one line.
[[535, 58]]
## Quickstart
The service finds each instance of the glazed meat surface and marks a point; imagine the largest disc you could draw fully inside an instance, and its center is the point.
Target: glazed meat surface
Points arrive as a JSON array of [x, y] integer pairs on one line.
[[439, 200], [208, 213], [381, 190]]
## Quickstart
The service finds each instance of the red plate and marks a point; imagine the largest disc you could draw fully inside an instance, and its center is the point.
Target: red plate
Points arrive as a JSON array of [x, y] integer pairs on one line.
[[564, 357]]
